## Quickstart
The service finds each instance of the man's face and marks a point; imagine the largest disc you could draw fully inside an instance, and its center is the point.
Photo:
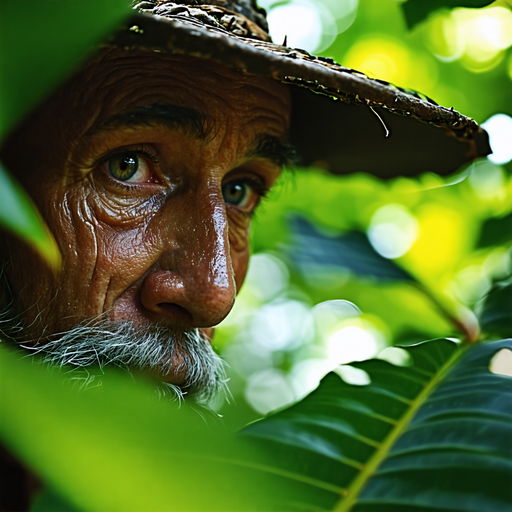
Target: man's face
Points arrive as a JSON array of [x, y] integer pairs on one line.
[[147, 168]]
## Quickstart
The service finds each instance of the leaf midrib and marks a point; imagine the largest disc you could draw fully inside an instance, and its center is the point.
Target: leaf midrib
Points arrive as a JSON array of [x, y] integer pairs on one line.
[[352, 493]]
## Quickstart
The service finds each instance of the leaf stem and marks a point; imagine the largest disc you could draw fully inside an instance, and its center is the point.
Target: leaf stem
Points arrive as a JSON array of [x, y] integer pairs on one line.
[[352, 493], [469, 331]]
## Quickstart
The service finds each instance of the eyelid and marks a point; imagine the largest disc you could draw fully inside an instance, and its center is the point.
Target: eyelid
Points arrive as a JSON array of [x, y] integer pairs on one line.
[[259, 188], [139, 150]]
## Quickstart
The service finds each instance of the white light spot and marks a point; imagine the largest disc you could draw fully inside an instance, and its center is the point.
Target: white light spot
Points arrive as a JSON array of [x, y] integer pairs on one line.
[[247, 359], [352, 343], [501, 363], [267, 276], [330, 313], [282, 324], [308, 374], [499, 128], [354, 376], [307, 25], [395, 355], [392, 230], [268, 390]]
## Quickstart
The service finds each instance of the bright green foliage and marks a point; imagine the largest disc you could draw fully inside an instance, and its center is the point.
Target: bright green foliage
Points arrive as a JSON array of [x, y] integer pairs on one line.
[[45, 41], [429, 437], [433, 436], [116, 447], [29, 35], [18, 214], [415, 11]]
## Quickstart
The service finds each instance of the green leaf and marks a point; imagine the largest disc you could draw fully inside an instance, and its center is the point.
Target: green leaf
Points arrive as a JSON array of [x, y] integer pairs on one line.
[[495, 231], [415, 11], [350, 250], [41, 41], [115, 447], [49, 501], [19, 215], [495, 310], [435, 436]]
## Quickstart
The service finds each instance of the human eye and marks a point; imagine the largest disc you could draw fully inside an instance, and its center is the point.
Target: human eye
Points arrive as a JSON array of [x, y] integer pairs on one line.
[[131, 166], [244, 193]]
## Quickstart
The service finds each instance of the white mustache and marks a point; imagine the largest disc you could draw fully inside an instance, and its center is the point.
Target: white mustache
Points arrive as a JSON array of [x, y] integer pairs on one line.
[[143, 348]]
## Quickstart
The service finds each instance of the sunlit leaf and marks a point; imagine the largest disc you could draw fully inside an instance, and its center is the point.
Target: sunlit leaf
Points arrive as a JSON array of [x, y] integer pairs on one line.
[[19, 215], [495, 310], [42, 41], [428, 437], [351, 251], [415, 11]]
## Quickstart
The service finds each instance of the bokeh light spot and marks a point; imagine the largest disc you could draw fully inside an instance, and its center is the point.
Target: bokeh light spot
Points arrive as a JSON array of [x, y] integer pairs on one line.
[[352, 343], [282, 324], [499, 128], [269, 390], [307, 25], [267, 276], [487, 32], [501, 363], [444, 37], [308, 373], [392, 230], [488, 180], [396, 355], [380, 57], [354, 376]]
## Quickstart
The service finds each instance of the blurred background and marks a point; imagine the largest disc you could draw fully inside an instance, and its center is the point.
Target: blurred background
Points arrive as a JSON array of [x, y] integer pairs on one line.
[[344, 268]]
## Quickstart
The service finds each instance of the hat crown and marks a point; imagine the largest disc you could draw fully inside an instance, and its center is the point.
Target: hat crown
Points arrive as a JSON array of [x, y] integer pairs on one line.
[[246, 8]]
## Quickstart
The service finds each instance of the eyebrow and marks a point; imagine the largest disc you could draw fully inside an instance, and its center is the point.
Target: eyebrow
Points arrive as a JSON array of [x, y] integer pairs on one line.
[[192, 123], [269, 147], [189, 121]]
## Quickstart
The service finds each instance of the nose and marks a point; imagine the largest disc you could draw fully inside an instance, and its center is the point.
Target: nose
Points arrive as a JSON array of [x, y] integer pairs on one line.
[[193, 281]]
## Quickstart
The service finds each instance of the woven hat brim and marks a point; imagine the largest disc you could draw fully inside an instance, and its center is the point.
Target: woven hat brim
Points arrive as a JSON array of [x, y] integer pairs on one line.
[[340, 117]]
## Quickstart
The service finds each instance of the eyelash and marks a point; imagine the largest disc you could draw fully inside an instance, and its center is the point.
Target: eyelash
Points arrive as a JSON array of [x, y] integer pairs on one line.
[[259, 188]]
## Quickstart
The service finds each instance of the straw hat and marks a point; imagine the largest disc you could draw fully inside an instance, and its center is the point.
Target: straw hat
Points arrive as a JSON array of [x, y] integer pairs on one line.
[[342, 120]]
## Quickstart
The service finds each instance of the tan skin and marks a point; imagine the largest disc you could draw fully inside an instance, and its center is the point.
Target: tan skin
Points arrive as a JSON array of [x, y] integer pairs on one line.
[[170, 243]]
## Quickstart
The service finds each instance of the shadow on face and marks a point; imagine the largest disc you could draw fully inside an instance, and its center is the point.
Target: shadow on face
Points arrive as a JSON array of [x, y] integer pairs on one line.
[[147, 168]]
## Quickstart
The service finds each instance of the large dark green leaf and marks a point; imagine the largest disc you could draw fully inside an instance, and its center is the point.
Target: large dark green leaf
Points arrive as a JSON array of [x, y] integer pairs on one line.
[[41, 41], [495, 310], [435, 436], [416, 11], [351, 251]]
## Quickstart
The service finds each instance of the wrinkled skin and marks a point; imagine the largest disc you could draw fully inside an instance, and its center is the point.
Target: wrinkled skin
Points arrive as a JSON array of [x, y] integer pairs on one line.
[[168, 248]]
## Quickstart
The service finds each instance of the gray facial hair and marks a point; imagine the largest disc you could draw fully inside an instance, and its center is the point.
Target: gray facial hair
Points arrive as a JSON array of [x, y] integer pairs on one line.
[[148, 349]]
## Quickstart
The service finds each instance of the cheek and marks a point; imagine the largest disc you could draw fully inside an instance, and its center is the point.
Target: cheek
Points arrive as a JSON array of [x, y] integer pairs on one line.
[[239, 230], [240, 262]]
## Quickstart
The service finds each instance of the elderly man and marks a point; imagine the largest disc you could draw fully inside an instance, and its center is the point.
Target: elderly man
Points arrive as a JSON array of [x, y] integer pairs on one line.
[[148, 164]]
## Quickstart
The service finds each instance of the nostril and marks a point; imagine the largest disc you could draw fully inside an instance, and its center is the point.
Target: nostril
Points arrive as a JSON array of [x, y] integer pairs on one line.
[[175, 311]]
